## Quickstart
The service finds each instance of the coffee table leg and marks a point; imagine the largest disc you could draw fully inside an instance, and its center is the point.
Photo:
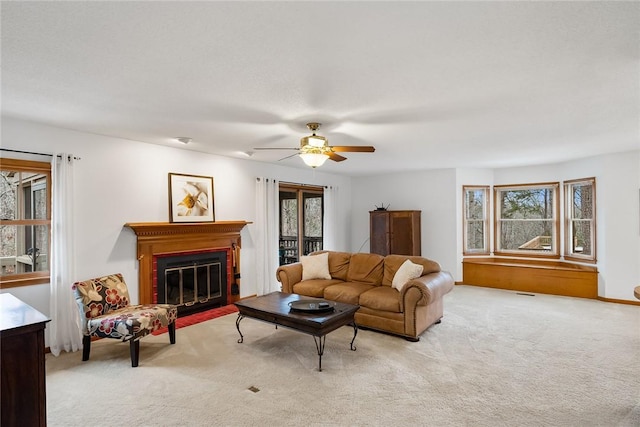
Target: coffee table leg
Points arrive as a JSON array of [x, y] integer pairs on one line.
[[240, 317], [320, 347], [355, 332]]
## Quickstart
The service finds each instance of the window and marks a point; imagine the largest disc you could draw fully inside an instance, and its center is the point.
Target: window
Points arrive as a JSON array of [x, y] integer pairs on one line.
[[526, 221], [580, 222], [25, 222], [476, 220], [301, 212]]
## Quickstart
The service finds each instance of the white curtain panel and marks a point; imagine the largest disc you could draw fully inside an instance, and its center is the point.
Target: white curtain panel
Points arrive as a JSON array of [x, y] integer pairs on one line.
[[330, 225], [267, 235], [64, 329]]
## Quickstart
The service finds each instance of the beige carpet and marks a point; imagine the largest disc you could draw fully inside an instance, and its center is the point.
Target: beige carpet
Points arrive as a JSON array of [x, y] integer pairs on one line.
[[497, 359]]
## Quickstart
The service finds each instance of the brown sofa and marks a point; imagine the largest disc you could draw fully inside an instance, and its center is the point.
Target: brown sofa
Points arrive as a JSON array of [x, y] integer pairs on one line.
[[366, 279]]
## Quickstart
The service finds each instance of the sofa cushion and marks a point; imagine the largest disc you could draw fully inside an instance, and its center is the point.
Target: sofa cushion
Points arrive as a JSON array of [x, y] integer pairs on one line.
[[407, 271], [383, 298], [348, 292], [315, 266], [314, 287], [338, 263], [393, 262], [366, 268]]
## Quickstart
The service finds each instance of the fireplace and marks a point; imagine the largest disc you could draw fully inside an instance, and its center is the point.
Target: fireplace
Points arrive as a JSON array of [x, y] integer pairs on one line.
[[176, 246], [194, 281]]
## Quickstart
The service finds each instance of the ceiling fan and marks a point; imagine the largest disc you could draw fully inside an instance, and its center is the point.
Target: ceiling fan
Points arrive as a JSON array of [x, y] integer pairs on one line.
[[315, 149]]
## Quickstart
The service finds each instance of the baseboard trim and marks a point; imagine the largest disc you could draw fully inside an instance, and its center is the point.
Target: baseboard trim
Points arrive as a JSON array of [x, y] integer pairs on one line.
[[603, 299], [618, 301]]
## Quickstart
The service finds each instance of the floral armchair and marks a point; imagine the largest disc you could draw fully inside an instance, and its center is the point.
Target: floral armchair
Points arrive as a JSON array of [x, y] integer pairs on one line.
[[105, 312]]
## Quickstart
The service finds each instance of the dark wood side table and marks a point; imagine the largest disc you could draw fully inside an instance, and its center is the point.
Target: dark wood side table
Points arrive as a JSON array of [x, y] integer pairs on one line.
[[22, 363]]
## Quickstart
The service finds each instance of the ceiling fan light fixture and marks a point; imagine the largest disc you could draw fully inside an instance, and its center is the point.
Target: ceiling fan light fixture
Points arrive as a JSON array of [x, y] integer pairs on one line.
[[315, 150], [313, 141], [314, 159]]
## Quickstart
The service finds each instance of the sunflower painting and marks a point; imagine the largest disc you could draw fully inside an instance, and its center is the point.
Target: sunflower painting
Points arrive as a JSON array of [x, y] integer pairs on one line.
[[190, 198]]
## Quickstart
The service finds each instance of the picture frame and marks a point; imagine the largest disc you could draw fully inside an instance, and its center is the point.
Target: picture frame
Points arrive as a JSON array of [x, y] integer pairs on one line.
[[190, 198]]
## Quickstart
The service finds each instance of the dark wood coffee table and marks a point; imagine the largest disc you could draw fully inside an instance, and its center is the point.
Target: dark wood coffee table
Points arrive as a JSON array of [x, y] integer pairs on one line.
[[274, 308]]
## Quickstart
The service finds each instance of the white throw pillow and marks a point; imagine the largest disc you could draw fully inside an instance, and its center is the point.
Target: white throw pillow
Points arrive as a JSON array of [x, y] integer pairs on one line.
[[315, 266], [406, 272]]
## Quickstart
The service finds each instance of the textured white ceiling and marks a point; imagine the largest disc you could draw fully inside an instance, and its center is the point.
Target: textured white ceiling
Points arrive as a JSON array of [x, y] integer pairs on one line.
[[429, 84]]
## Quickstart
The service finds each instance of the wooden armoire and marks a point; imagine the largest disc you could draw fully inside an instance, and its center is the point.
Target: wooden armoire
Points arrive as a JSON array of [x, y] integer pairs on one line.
[[395, 232]]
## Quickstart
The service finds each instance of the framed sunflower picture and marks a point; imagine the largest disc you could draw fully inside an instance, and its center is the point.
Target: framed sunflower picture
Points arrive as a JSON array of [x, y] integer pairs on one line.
[[190, 198]]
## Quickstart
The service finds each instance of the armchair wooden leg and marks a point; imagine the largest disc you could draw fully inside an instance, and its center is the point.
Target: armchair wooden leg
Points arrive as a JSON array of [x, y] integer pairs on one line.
[[86, 347], [172, 332], [134, 349]]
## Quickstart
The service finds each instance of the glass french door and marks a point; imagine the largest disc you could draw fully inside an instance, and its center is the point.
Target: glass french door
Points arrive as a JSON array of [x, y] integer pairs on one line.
[[301, 216]]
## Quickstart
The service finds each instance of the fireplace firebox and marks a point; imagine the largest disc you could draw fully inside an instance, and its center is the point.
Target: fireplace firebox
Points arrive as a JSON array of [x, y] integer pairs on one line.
[[192, 281]]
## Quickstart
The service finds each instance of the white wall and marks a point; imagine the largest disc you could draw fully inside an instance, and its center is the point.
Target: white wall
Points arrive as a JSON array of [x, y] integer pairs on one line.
[[119, 181], [617, 213], [618, 191], [438, 193], [432, 191]]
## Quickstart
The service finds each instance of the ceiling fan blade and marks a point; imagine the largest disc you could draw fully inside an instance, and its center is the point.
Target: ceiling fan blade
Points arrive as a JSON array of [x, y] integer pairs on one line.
[[277, 148], [335, 157], [288, 157], [353, 149]]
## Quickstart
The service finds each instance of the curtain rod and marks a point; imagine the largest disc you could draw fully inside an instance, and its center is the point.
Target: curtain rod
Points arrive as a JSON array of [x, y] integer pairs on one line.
[[33, 152], [295, 183], [303, 185]]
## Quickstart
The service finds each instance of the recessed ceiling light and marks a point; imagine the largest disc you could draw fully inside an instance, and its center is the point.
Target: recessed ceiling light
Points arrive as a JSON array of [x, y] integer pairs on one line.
[[184, 139]]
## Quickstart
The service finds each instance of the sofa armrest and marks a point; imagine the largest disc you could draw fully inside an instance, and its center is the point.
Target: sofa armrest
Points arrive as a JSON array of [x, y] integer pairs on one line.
[[289, 275], [430, 287]]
